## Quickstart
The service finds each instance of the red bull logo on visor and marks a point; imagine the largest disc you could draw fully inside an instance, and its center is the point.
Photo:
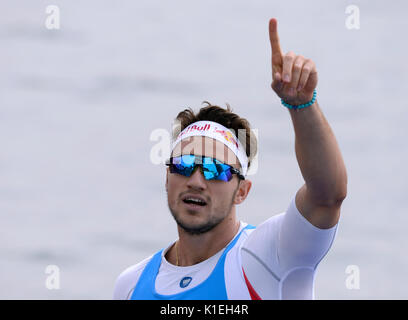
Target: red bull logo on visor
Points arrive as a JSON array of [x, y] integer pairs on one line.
[[194, 127], [228, 136]]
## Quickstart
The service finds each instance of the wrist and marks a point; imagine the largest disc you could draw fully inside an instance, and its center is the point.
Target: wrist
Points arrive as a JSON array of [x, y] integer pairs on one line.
[[297, 106]]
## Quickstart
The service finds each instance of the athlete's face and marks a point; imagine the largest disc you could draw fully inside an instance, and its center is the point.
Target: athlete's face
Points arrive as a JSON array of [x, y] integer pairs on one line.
[[219, 197]]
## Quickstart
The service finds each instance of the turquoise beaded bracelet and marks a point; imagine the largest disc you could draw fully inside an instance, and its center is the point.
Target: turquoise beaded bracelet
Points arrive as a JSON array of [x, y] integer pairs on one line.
[[302, 105]]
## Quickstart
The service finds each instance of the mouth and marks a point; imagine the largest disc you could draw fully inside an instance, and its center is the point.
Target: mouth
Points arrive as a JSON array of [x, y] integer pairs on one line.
[[194, 201]]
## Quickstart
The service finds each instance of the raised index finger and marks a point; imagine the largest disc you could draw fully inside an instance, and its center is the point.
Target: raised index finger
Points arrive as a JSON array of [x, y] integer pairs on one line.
[[275, 45]]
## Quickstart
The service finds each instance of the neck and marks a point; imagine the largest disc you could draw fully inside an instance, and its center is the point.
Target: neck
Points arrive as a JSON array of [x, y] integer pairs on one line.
[[193, 249]]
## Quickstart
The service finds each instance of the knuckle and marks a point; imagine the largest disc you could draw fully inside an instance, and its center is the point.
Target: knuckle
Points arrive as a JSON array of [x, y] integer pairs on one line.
[[300, 57], [310, 63], [290, 56], [297, 66], [306, 69]]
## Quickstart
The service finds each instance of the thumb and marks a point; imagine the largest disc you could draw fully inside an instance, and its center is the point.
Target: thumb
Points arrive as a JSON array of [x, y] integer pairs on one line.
[[277, 83]]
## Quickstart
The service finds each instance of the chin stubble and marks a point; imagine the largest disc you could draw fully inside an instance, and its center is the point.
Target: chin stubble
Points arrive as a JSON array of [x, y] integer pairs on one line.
[[203, 228]]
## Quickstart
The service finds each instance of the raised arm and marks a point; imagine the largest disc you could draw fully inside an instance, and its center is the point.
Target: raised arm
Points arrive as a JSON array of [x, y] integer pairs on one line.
[[294, 78]]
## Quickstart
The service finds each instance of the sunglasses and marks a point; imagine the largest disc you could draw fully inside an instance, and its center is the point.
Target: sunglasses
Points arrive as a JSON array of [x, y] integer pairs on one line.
[[211, 168]]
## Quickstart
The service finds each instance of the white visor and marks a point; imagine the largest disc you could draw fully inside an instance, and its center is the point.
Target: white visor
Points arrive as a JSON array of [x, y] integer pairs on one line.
[[218, 132]]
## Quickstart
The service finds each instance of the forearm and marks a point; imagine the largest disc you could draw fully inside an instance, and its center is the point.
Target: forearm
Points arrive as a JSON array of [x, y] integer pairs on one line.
[[318, 155]]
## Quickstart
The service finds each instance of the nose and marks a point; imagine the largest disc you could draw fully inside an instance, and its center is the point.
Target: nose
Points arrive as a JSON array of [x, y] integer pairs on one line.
[[197, 180]]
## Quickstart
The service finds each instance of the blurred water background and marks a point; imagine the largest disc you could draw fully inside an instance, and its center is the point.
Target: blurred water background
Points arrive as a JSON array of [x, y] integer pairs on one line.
[[77, 107]]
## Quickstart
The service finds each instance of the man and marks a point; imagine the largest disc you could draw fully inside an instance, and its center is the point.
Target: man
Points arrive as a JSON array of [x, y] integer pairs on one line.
[[219, 257]]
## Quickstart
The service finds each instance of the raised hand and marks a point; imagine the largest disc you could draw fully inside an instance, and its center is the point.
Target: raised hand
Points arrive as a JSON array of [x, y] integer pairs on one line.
[[293, 76]]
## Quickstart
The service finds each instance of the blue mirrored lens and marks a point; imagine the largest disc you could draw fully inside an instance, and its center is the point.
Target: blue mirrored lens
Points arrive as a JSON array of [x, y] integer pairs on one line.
[[188, 159], [212, 168], [183, 165], [217, 170]]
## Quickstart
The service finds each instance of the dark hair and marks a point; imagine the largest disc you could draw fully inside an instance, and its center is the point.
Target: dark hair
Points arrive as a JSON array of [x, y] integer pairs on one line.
[[222, 116]]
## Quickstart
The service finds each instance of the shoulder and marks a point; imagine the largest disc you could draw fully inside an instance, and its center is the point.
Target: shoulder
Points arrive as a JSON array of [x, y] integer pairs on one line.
[[292, 221], [288, 239], [127, 280], [265, 230]]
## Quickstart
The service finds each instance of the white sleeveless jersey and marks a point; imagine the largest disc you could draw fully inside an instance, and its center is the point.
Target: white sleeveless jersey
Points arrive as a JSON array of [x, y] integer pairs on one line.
[[279, 259]]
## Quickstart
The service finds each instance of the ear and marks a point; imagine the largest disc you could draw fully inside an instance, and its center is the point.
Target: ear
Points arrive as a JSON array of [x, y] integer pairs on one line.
[[243, 190]]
